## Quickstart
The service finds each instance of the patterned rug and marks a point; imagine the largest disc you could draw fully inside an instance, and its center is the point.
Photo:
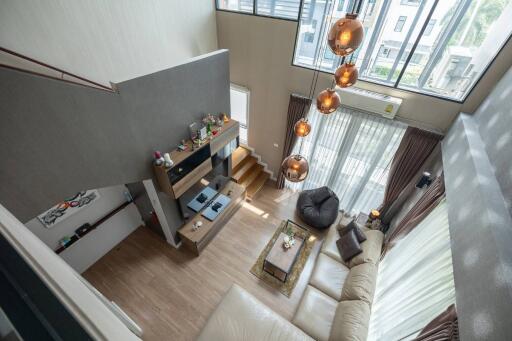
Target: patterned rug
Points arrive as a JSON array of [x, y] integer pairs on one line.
[[286, 287]]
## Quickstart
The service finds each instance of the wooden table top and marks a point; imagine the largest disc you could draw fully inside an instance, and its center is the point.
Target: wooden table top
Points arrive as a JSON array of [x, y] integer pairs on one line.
[[283, 258], [197, 235]]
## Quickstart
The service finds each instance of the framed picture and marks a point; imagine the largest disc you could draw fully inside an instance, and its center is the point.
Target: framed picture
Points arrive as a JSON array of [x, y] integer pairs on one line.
[[68, 207]]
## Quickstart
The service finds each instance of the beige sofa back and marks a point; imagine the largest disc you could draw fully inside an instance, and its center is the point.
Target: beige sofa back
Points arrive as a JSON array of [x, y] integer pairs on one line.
[[343, 291]]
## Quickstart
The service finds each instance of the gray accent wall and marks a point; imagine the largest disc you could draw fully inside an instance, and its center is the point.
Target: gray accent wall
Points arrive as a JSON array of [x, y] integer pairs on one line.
[[477, 154], [57, 138]]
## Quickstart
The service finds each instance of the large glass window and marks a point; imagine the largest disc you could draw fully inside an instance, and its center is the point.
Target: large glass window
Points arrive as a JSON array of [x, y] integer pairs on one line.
[[451, 41], [287, 9], [350, 152], [236, 5], [240, 109]]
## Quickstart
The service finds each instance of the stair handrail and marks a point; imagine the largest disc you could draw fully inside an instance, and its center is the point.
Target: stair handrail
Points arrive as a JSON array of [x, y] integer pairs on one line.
[[63, 72]]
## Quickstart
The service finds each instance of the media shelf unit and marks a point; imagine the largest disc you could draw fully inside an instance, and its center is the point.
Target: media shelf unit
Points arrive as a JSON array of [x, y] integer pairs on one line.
[[190, 166]]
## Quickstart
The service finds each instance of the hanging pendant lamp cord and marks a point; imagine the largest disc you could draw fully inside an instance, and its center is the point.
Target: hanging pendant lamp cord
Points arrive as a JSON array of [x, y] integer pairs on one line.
[[323, 48]]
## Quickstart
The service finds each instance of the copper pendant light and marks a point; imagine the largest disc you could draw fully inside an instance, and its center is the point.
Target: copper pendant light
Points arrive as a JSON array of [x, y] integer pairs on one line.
[[302, 128], [295, 168], [328, 101], [345, 35], [346, 75]]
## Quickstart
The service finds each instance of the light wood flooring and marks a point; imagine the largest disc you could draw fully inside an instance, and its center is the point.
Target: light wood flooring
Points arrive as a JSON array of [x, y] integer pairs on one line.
[[170, 293]]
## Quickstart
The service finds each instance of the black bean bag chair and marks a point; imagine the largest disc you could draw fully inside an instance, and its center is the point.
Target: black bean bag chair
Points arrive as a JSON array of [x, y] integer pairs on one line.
[[318, 207]]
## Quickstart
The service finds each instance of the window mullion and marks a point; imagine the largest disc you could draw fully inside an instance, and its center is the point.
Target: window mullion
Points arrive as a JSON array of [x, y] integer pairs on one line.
[[319, 41], [408, 37], [415, 45], [254, 5], [375, 35], [443, 41]]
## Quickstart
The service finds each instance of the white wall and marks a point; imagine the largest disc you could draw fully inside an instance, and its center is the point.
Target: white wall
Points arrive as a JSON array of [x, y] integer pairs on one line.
[[109, 40], [97, 243]]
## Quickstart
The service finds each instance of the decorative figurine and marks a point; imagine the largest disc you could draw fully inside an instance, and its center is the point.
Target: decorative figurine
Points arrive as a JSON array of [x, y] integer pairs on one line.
[[159, 160], [167, 160], [224, 117], [197, 225], [219, 121]]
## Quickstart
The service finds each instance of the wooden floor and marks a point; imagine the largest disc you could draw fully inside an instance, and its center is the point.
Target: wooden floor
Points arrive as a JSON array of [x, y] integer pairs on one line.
[[170, 293]]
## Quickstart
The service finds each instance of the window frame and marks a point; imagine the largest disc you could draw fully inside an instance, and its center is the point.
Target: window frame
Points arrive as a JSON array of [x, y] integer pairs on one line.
[[255, 13], [400, 23], [411, 53], [247, 92], [430, 27]]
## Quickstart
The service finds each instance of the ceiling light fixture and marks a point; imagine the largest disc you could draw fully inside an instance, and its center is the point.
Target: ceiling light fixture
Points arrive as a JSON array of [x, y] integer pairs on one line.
[[346, 35], [295, 168], [346, 75], [328, 101], [302, 128]]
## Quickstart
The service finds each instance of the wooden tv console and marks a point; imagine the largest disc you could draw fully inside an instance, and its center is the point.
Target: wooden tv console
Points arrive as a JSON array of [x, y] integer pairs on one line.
[[190, 166], [197, 239]]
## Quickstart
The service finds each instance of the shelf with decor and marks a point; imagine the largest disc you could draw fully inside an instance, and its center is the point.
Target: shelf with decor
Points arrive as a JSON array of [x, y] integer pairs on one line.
[[88, 228], [193, 163]]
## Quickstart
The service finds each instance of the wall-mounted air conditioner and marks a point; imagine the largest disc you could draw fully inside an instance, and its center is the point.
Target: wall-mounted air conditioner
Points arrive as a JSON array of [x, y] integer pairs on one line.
[[370, 101]]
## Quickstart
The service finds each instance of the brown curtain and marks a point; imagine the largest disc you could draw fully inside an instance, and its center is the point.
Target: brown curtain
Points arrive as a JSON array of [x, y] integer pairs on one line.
[[444, 327], [297, 109], [427, 202], [413, 151]]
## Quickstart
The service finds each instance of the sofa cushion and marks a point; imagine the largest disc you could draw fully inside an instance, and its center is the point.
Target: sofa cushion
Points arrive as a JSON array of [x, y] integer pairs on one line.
[[371, 249], [350, 321], [329, 245], [315, 314], [240, 316], [329, 276], [360, 283]]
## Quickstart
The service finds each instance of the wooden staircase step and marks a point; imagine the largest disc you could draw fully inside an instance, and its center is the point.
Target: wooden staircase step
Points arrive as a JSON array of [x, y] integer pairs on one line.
[[252, 174], [238, 157], [241, 171], [257, 184]]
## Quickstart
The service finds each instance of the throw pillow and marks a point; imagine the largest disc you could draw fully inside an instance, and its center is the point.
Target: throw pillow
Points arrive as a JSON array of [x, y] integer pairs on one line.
[[344, 221], [348, 246], [352, 226]]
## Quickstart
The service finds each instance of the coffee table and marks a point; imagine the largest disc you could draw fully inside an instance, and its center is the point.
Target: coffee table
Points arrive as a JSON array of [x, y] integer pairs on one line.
[[279, 261]]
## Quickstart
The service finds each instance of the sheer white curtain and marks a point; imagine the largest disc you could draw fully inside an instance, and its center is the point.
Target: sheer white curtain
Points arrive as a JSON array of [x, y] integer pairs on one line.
[[415, 280], [350, 151]]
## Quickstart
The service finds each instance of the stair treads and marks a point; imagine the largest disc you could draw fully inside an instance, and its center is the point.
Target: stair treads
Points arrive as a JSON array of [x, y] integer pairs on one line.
[[240, 173], [252, 174], [238, 156], [257, 184]]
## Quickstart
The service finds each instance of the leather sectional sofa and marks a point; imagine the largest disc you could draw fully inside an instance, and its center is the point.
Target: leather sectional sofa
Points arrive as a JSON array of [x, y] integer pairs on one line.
[[336, 304]]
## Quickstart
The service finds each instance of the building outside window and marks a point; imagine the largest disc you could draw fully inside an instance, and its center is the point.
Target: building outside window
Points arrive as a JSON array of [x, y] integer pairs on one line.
[[430, 27], [460, 39], [341, 4], [411, 2], [400, 23]]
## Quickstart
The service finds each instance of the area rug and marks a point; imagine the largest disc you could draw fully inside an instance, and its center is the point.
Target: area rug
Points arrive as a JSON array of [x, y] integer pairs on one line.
[[286, 287]]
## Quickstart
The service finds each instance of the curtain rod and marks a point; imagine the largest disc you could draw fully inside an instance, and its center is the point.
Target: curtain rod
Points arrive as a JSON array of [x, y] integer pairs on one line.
[[408, 121]]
